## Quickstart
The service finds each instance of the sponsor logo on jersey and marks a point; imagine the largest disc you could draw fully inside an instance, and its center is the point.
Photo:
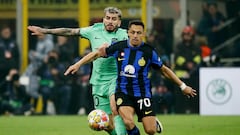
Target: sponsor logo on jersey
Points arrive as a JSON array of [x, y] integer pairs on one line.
[[97, 38], [129, 71], [120, 59]]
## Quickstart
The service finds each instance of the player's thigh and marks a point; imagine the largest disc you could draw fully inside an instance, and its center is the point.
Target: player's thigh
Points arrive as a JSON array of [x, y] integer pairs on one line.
[[127, 114], [149, 124], [125, 107]]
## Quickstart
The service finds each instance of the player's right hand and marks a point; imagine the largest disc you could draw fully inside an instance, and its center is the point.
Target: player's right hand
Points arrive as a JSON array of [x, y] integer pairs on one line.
[[35, 30], [72, 69], [189, 92]]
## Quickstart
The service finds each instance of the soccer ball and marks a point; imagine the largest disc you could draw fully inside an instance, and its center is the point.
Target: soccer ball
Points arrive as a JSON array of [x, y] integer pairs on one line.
[[98, 120]]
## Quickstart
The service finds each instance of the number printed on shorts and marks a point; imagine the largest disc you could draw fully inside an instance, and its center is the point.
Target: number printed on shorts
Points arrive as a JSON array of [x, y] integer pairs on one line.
[[96, 101], [146, 102]]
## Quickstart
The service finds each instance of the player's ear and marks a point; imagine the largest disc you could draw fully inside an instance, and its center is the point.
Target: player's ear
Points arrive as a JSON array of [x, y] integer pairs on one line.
[[144, 34], [119, 23]]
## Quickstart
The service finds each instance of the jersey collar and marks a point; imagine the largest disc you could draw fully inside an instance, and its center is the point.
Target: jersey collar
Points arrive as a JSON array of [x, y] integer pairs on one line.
[[132, 47]]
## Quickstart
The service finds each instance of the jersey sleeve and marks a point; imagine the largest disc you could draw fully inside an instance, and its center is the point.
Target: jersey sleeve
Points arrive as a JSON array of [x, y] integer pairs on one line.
[[112, 50], [156, 60], [86, 32]]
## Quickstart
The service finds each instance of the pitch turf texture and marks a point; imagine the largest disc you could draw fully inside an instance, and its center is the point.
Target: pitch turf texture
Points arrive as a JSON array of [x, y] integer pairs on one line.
[[77, 125]]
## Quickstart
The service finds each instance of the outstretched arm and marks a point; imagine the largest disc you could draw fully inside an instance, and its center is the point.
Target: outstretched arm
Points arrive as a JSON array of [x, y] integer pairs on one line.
[[86, 59], [57, 31], [168, 73]]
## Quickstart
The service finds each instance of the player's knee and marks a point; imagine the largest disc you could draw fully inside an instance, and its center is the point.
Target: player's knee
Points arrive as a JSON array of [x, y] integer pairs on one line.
[[150, 131], [129, 124]]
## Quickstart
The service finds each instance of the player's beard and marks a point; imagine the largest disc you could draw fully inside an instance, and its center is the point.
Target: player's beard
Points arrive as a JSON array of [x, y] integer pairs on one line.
[[109, 29]]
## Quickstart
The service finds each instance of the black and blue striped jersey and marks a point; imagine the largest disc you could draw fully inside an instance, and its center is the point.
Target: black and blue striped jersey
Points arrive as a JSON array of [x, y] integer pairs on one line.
[[133, 65]]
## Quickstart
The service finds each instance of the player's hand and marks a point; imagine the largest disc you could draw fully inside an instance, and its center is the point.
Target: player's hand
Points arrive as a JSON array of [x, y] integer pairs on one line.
[[102, 49], [72, 69], [37, 31], [189, 92]]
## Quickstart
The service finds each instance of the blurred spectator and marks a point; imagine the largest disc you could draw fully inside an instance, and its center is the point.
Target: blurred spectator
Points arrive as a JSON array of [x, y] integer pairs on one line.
[[187, 62], [205, 51], [43, 46], [82, 88], [210, 26], [54, 86], [65, 50], [204, 8], [163, 100], [162, 97], [178, 26], [9, 53], [187, 54], [154, 39], [163, 36], [13, 98]]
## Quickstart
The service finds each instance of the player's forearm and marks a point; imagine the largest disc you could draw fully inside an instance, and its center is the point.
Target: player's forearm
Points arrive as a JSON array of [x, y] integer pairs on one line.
[[88, 58], [168, 73], [61, 31]]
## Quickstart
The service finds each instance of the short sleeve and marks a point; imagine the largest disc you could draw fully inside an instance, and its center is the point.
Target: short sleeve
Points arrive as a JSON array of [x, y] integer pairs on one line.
[[156, 60], [86, 32]]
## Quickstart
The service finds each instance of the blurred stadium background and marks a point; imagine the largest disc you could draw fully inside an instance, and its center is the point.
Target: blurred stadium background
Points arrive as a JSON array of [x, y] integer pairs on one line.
[[215, 76]]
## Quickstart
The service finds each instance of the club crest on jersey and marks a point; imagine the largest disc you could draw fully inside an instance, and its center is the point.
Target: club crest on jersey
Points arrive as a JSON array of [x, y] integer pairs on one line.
[[141, 62], [114, 40]]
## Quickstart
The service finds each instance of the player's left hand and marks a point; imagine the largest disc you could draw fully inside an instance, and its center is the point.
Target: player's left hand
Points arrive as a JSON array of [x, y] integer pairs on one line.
[[189, 92], [102, 49], [35, 30], [72, 69]]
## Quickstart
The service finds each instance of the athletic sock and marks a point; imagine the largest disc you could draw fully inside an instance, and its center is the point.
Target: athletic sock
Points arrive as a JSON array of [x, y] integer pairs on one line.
[[134, 131], [119, 125]]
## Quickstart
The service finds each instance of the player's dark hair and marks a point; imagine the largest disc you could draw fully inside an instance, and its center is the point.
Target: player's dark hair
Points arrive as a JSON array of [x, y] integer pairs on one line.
[[135, 22]]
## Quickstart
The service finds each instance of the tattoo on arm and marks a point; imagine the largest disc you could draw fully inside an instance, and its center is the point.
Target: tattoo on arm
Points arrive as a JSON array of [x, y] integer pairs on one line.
[[63, 31]]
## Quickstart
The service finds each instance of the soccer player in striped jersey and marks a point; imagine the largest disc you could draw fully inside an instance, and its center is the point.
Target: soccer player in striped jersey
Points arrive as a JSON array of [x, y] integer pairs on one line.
[[133, 92], [104, 71]]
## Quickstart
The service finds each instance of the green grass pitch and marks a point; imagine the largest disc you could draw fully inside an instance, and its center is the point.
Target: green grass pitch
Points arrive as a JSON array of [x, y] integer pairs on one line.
[[77, 125]]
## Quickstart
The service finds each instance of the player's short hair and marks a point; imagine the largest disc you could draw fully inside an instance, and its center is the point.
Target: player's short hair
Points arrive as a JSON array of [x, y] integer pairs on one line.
[[113, 10], [135, 22]]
